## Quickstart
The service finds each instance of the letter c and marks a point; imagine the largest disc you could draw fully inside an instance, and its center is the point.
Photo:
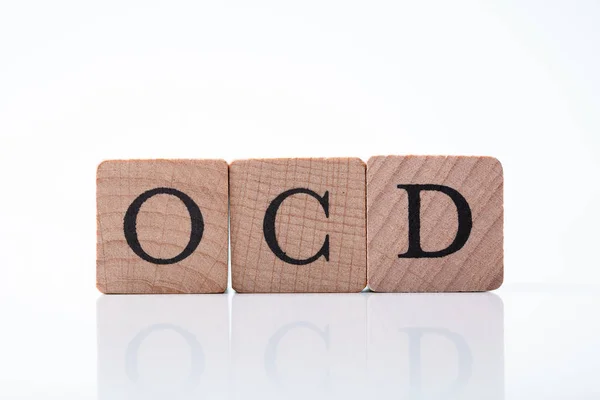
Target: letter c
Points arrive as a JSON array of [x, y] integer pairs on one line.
[[269, 226]]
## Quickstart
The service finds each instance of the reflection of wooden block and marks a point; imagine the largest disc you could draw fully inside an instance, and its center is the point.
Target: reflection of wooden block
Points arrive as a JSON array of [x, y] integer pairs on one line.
[[436, 346], [299, 347], [298, 225], [162, 347], [162, 226], [435, 224]]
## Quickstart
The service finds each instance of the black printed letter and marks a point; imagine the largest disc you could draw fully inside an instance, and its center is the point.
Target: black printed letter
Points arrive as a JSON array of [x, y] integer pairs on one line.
[[269, 226], [465, 222], [129, 225]]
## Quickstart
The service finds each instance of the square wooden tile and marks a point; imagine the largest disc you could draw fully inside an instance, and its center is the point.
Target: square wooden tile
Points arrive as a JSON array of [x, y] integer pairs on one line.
[[435, 224], [162, 226], [298, 225]]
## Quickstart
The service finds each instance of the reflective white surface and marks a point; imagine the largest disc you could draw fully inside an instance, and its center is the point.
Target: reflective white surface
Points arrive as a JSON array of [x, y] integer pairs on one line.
[[518, 343], [521, 342]]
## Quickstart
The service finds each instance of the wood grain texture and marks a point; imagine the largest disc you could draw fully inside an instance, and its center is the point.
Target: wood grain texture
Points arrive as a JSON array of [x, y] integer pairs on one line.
[[163, 226], [301, 225], [477, 266]]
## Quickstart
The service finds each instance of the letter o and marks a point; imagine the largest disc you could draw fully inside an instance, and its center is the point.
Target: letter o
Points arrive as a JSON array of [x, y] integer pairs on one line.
[[130, 222], [196, 353]]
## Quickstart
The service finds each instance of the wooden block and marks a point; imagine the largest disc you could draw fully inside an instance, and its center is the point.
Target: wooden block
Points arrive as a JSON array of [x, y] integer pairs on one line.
[[298, 225], [162, 226], [435, 224]]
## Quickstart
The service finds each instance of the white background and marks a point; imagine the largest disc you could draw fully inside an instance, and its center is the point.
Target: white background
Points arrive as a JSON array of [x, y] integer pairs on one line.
[[85, 81]]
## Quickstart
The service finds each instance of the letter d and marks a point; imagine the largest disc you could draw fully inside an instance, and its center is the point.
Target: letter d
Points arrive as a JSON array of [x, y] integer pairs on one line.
[[465, 221]]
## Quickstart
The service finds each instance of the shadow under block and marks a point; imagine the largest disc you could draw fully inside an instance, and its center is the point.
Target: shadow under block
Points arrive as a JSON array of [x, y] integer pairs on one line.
[[298, 225], [162, 226], [435, 224]]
